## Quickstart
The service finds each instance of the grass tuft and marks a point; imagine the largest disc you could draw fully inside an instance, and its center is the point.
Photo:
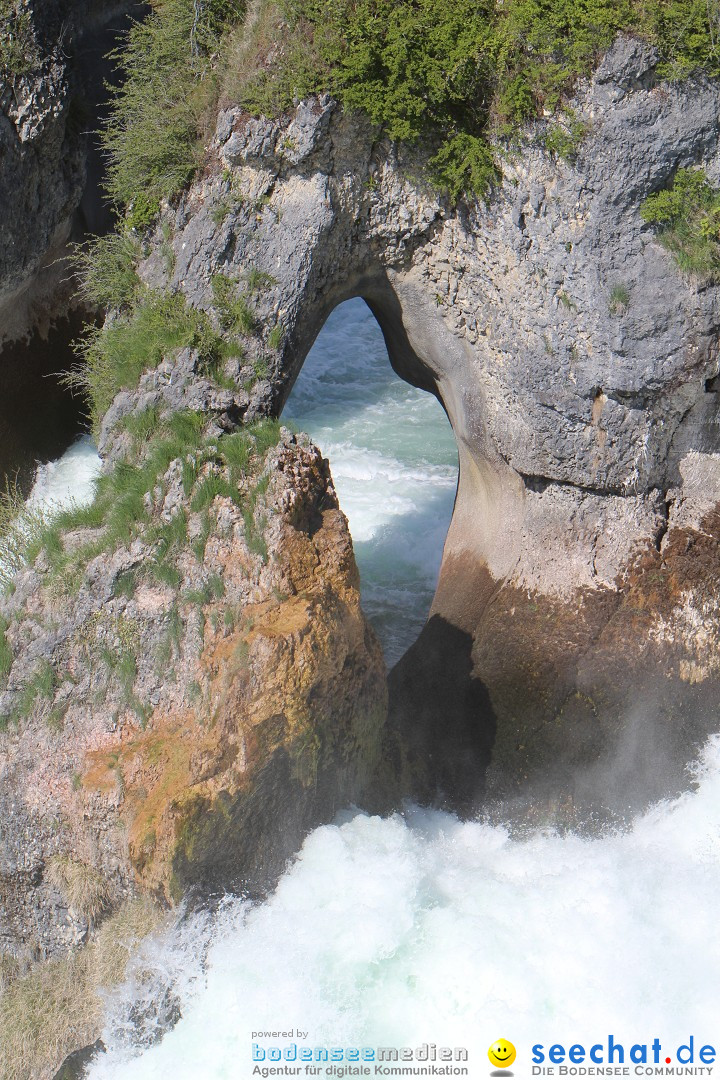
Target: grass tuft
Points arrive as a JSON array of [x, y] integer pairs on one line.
[[619, 299], [83, 888], [114, 356], [6, 653], [233, 309], [47, 1014], [106, 265], [153, 136]]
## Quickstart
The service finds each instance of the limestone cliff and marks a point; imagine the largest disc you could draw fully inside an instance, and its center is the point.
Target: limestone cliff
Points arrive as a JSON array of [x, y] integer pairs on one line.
[[171, 723], [583, 426]]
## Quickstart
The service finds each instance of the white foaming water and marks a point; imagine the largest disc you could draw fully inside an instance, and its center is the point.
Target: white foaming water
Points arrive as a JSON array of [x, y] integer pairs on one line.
[[401, 931], [394, 462], [421, 928], [68, 481]]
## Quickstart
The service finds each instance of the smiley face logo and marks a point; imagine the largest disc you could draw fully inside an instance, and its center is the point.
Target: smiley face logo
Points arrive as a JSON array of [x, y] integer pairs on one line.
[[502, 1054]]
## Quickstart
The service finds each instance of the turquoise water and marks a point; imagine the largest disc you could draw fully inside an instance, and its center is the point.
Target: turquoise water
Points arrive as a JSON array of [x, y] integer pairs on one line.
[[394, 462]]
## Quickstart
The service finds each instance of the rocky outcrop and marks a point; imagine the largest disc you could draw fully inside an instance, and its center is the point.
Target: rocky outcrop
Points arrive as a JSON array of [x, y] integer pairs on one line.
[[569, 650], [50, 175], [580, 423], [173, 737]]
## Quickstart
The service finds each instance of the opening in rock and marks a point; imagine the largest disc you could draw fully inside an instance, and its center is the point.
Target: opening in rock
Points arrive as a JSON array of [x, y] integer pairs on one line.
[[394, 461]]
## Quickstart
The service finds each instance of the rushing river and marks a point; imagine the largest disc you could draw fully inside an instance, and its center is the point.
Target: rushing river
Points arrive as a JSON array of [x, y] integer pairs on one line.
[[394, 462], [422, 929]]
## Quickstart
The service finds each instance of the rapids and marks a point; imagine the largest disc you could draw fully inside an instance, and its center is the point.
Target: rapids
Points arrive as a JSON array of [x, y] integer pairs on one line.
[[420, 928]]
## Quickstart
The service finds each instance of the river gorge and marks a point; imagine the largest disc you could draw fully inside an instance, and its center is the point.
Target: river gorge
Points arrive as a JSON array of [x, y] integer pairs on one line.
[[359, 658]]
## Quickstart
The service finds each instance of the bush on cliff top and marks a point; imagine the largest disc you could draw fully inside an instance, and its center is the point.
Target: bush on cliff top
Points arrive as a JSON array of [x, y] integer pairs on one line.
[[462, 73], [457, 74], [687, 215]]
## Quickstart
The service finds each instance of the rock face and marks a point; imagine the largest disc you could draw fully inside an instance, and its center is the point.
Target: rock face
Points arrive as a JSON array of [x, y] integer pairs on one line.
[[582, 427], [50, 170], [191, 735], [570, 652]]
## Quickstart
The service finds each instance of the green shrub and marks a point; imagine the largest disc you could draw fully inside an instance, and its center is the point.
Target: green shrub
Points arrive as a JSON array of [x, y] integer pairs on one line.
[[125, 584], [460, 73], [107, 270], [687, 216], [152, 137], [465, 163], [562, 139], [256, 75]]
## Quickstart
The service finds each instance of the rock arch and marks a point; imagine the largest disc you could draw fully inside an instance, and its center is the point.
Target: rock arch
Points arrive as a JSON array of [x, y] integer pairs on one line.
[[588, 439]]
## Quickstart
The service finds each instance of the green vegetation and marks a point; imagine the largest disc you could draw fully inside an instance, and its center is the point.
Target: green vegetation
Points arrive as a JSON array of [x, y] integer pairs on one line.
[[123, 511], [276, 337], [563, 138], [258, 281], [106, 265], [619, 299], [461, 73], [687, 216], [6, 653], [141, 425], [40, 687], [18, 51], [234, 312], [115, 355], [169, 646], [152, 137], [20, 525]]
